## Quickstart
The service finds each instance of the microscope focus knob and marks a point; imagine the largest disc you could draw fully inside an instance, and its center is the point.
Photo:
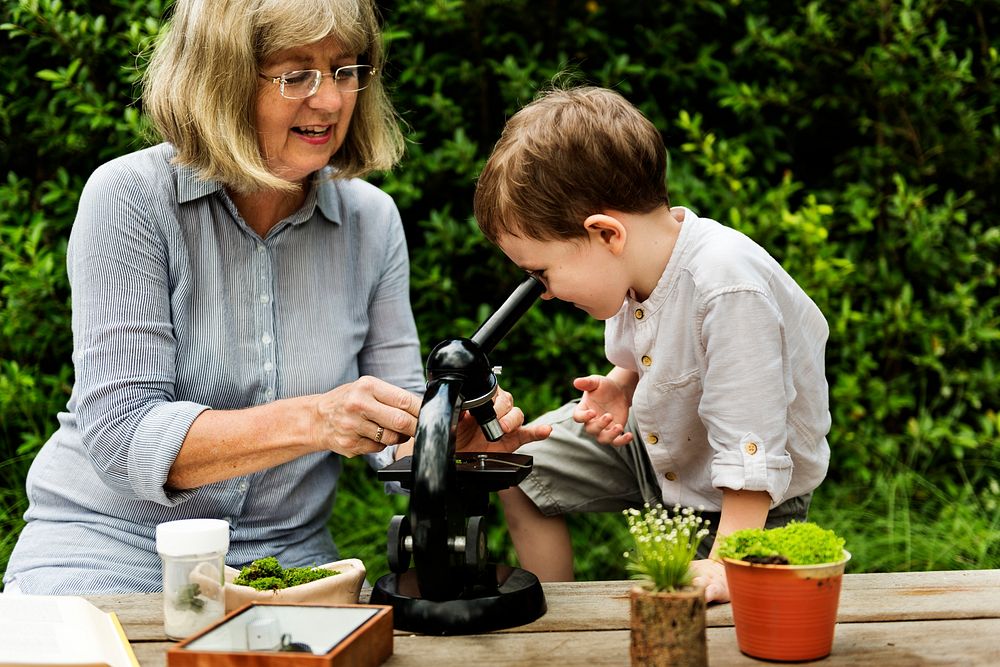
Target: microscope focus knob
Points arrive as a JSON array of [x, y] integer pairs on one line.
[[475, 543], [399, 544]]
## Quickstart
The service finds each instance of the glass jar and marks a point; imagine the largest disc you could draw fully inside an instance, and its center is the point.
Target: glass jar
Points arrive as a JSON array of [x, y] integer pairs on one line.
[[193, 552]]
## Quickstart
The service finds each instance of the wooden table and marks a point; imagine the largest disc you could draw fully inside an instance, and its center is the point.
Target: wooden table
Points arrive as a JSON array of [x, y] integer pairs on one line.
[[916, 618]]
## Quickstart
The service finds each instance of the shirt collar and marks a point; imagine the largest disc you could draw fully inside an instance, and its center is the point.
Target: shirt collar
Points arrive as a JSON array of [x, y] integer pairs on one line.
[[323, 194], [190, 187], [667, 278], [327, 196]]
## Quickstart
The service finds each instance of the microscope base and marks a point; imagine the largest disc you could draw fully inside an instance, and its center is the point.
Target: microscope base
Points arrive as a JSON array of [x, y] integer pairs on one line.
[[517, 599]]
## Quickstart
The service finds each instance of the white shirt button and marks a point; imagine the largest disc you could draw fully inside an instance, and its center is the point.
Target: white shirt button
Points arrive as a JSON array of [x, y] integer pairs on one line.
[[266, 339], [264, 298], [268, 366]]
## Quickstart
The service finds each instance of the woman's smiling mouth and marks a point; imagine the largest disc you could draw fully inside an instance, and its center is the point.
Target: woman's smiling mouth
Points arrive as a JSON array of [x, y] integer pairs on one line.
[[314, 133]]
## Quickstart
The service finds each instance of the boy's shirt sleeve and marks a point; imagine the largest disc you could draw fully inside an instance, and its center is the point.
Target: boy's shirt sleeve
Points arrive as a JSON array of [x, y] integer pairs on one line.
[[747, 391]]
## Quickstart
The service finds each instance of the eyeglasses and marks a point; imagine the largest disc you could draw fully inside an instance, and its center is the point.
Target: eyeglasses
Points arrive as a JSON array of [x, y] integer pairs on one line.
[[304, 83]]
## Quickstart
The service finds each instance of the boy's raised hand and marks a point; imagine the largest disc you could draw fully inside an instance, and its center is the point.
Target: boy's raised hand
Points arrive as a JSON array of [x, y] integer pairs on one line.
[[603, 409]]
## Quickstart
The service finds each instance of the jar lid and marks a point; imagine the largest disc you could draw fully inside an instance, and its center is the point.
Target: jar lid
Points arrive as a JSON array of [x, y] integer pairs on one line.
[[191, 537]]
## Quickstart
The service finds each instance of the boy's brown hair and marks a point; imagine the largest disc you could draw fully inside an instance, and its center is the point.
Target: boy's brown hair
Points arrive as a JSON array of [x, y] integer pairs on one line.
[[567, 155]]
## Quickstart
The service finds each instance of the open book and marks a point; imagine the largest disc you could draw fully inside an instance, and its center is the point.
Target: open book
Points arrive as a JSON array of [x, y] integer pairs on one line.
[[60, 630]]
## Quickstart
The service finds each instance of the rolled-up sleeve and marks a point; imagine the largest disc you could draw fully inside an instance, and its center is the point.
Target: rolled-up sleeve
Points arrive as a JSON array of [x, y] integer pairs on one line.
[[124, 340], [746, 392]]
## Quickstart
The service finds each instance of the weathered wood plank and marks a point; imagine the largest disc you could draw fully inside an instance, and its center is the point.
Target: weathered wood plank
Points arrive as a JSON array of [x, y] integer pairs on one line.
[[904, 596], [151, 654], [884, 644], [917, 618], [904, 644], [967, 642], [141, 614]]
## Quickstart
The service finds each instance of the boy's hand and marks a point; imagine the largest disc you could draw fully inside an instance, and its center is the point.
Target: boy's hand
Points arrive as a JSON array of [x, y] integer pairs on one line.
[[712, 575], [603, 410]]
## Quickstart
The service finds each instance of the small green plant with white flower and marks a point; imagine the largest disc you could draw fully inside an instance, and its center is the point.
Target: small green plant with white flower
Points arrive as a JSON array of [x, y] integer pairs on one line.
[[665, 544]]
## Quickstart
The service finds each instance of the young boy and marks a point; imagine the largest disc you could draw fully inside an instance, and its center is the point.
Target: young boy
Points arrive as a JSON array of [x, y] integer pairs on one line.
[[717, 399]]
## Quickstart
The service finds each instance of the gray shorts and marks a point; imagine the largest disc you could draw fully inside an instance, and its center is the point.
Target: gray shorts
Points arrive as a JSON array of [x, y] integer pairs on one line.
[[573, 473]]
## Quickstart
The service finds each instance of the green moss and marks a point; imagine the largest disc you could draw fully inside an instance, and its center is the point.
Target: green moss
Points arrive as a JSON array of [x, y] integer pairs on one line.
[[265, 583], [267, 574], [798, 543], [303, 575], [261, 568]]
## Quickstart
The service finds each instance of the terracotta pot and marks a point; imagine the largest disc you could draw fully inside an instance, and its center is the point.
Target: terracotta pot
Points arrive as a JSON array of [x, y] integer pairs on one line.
[[785, 612], [668, 628], [342, 588]]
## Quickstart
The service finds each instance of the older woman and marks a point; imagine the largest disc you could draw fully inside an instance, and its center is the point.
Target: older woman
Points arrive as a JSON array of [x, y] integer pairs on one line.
[[241, 313]]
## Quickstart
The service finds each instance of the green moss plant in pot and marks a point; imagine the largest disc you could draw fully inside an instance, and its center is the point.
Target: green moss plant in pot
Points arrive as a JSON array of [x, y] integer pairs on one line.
[[265, 580], [667, 611], [784, 584]]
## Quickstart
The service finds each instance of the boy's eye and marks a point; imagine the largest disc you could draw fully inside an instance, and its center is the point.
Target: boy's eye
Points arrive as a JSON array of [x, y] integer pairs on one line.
[[539, 275]]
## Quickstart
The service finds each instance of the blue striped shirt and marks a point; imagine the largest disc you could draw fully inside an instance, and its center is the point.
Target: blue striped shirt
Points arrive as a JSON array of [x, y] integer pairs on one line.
[[179, 307]]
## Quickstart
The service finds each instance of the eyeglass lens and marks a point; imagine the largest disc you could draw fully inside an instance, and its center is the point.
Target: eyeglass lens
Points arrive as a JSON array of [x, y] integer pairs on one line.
[[305, 83]]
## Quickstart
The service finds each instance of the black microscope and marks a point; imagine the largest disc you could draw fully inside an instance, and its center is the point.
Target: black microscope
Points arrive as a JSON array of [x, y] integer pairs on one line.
[[452, 589]]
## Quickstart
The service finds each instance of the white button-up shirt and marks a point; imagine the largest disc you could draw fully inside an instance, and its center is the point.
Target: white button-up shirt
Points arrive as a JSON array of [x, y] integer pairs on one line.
[[730, 356]]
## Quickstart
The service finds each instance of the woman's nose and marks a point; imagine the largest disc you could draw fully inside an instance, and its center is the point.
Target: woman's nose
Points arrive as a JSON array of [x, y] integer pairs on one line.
[[328, 95]]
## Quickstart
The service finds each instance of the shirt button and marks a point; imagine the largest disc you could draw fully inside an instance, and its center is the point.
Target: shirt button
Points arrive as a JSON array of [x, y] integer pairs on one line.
[[647, 361], [751, 448], [264, 298], [244, 486], [261, 249], [670, 476], [639, 314], [266, 339], [270, 394], [652, 439], [268, 366]]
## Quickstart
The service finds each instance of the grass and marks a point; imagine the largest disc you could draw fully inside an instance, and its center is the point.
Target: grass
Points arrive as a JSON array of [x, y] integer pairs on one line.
[[893, 525]]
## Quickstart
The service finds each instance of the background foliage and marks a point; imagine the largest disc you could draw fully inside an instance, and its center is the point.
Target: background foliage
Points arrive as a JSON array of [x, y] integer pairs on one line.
[[858, 141]]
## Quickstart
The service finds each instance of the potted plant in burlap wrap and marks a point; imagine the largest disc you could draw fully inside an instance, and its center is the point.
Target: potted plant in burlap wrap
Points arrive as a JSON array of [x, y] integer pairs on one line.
[[667, 611]]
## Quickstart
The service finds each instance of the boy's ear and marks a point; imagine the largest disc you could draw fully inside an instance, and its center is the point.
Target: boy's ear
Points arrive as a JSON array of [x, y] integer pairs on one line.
[[607, 230]]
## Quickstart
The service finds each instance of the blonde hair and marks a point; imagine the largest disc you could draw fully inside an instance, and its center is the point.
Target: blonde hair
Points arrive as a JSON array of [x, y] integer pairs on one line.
[[567, 155], [201, 86]]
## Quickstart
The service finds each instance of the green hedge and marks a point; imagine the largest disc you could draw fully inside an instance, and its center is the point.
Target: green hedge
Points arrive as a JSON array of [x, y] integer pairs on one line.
[[858, 141]]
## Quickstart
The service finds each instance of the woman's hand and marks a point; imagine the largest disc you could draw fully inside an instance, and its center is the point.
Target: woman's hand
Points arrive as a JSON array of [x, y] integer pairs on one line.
[[469, 436], [365, 416], [711, 574], [603, 409]]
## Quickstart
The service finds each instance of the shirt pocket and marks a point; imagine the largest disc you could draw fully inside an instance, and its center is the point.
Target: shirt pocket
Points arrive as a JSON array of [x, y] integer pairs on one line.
[[673, 418]]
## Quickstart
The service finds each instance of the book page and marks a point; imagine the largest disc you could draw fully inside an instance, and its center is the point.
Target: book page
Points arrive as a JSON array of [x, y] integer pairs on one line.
[[59, 630]]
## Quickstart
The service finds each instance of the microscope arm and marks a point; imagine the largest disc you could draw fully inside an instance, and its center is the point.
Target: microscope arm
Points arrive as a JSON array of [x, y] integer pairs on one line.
[[432, 496]]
